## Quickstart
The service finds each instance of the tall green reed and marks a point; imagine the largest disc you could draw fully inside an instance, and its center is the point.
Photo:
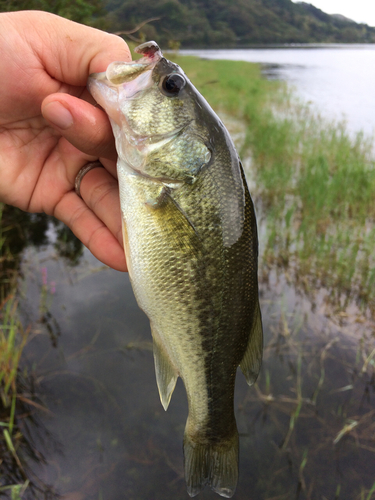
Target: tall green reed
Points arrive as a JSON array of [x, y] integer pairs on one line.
[[314, 182], [12, 341]]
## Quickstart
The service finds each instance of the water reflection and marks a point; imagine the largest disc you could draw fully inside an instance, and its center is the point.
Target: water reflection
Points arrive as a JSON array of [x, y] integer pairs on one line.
[[307, 428], [20, 230], [24, 438], [31, 441]]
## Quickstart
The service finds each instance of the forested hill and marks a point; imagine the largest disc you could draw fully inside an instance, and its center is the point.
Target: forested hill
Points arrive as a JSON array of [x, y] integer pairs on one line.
[[235, 23], [208, 23]]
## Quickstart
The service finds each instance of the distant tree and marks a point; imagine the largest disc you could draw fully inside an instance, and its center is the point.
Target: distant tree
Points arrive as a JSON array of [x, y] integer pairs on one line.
[[82, 11]]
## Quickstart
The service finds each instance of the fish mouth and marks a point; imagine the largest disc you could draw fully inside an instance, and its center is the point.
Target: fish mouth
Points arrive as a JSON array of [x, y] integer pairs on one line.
[[104, 94], [120, 72], [127, 78], [109, 95], [103, 89]]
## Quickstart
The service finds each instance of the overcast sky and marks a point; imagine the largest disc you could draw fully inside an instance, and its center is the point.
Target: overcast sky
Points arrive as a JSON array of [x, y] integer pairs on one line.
[[361, 11]]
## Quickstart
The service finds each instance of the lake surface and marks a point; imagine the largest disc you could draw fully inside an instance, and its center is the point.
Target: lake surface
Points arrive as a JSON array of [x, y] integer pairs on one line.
[[339, 80], [104, 434]]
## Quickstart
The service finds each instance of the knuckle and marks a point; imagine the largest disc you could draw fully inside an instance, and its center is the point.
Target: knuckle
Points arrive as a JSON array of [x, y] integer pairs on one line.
[[94, 237], [101, 191]]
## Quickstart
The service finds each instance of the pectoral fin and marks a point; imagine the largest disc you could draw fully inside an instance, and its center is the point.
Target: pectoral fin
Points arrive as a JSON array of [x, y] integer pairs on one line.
[[166, 373], [252, 360]]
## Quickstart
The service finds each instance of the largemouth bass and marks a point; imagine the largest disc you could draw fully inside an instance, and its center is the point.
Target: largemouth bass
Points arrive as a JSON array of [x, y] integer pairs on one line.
[[191, 245]]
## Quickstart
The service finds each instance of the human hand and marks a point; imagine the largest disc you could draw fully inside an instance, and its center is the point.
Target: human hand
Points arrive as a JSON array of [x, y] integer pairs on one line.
[[50, 128]]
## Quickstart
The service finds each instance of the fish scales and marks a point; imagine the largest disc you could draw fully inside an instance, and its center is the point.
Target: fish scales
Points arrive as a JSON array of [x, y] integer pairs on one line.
[[191, 245]]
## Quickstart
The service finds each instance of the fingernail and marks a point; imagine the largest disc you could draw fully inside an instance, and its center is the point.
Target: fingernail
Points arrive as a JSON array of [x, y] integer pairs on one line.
[[58, 115]]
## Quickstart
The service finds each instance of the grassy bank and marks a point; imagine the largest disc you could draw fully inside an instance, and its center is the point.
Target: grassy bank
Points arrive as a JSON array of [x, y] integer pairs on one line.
[[313, 184]]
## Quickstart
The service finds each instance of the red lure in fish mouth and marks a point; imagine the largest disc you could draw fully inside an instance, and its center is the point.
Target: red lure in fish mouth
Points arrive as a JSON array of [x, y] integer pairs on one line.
[[149, 50]]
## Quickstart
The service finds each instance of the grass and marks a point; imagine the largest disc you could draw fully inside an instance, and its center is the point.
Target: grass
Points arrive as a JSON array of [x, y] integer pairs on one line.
[[10, 332], [312, 182], [16, 490], [315, 405], [12, 340]]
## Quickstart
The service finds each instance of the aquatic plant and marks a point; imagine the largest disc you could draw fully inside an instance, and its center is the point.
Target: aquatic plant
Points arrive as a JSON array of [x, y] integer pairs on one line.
[[13, 338], [313, 183]]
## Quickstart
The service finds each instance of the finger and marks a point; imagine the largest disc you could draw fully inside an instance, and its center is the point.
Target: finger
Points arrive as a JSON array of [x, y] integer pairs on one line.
[[82, 124], [100, 192], [55, 195], [93, 233], [44, 53], [75, 50]]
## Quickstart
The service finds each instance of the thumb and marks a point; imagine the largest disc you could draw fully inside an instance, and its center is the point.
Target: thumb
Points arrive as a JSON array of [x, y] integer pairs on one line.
[[70, 51]]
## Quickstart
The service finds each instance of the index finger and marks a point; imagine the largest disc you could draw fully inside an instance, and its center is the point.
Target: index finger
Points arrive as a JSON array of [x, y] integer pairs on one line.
[[67, 50]]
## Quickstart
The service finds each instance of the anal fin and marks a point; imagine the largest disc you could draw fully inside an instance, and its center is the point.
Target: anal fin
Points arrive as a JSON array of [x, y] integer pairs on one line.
[[166, 373], [252, 360]]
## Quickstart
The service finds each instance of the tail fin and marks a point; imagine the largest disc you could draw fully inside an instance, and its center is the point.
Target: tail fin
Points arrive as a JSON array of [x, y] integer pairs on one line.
[[215, 465]]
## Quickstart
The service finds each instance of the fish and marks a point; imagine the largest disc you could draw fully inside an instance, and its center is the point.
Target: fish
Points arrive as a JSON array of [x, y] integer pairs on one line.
[[191, 245]]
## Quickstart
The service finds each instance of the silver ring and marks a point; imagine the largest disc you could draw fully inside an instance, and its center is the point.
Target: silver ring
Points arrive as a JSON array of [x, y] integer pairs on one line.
[[82, 172]]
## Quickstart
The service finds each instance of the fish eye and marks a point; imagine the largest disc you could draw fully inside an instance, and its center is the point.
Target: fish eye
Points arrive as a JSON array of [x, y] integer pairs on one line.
[[172, 84]]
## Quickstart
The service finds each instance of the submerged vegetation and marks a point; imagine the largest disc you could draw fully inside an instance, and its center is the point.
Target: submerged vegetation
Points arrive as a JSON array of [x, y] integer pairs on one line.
[[315, 399], [12, 341], [18, 230]]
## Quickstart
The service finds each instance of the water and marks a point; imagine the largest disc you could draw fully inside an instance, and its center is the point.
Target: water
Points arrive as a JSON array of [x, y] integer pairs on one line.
[[339, 80], [306, 428]]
